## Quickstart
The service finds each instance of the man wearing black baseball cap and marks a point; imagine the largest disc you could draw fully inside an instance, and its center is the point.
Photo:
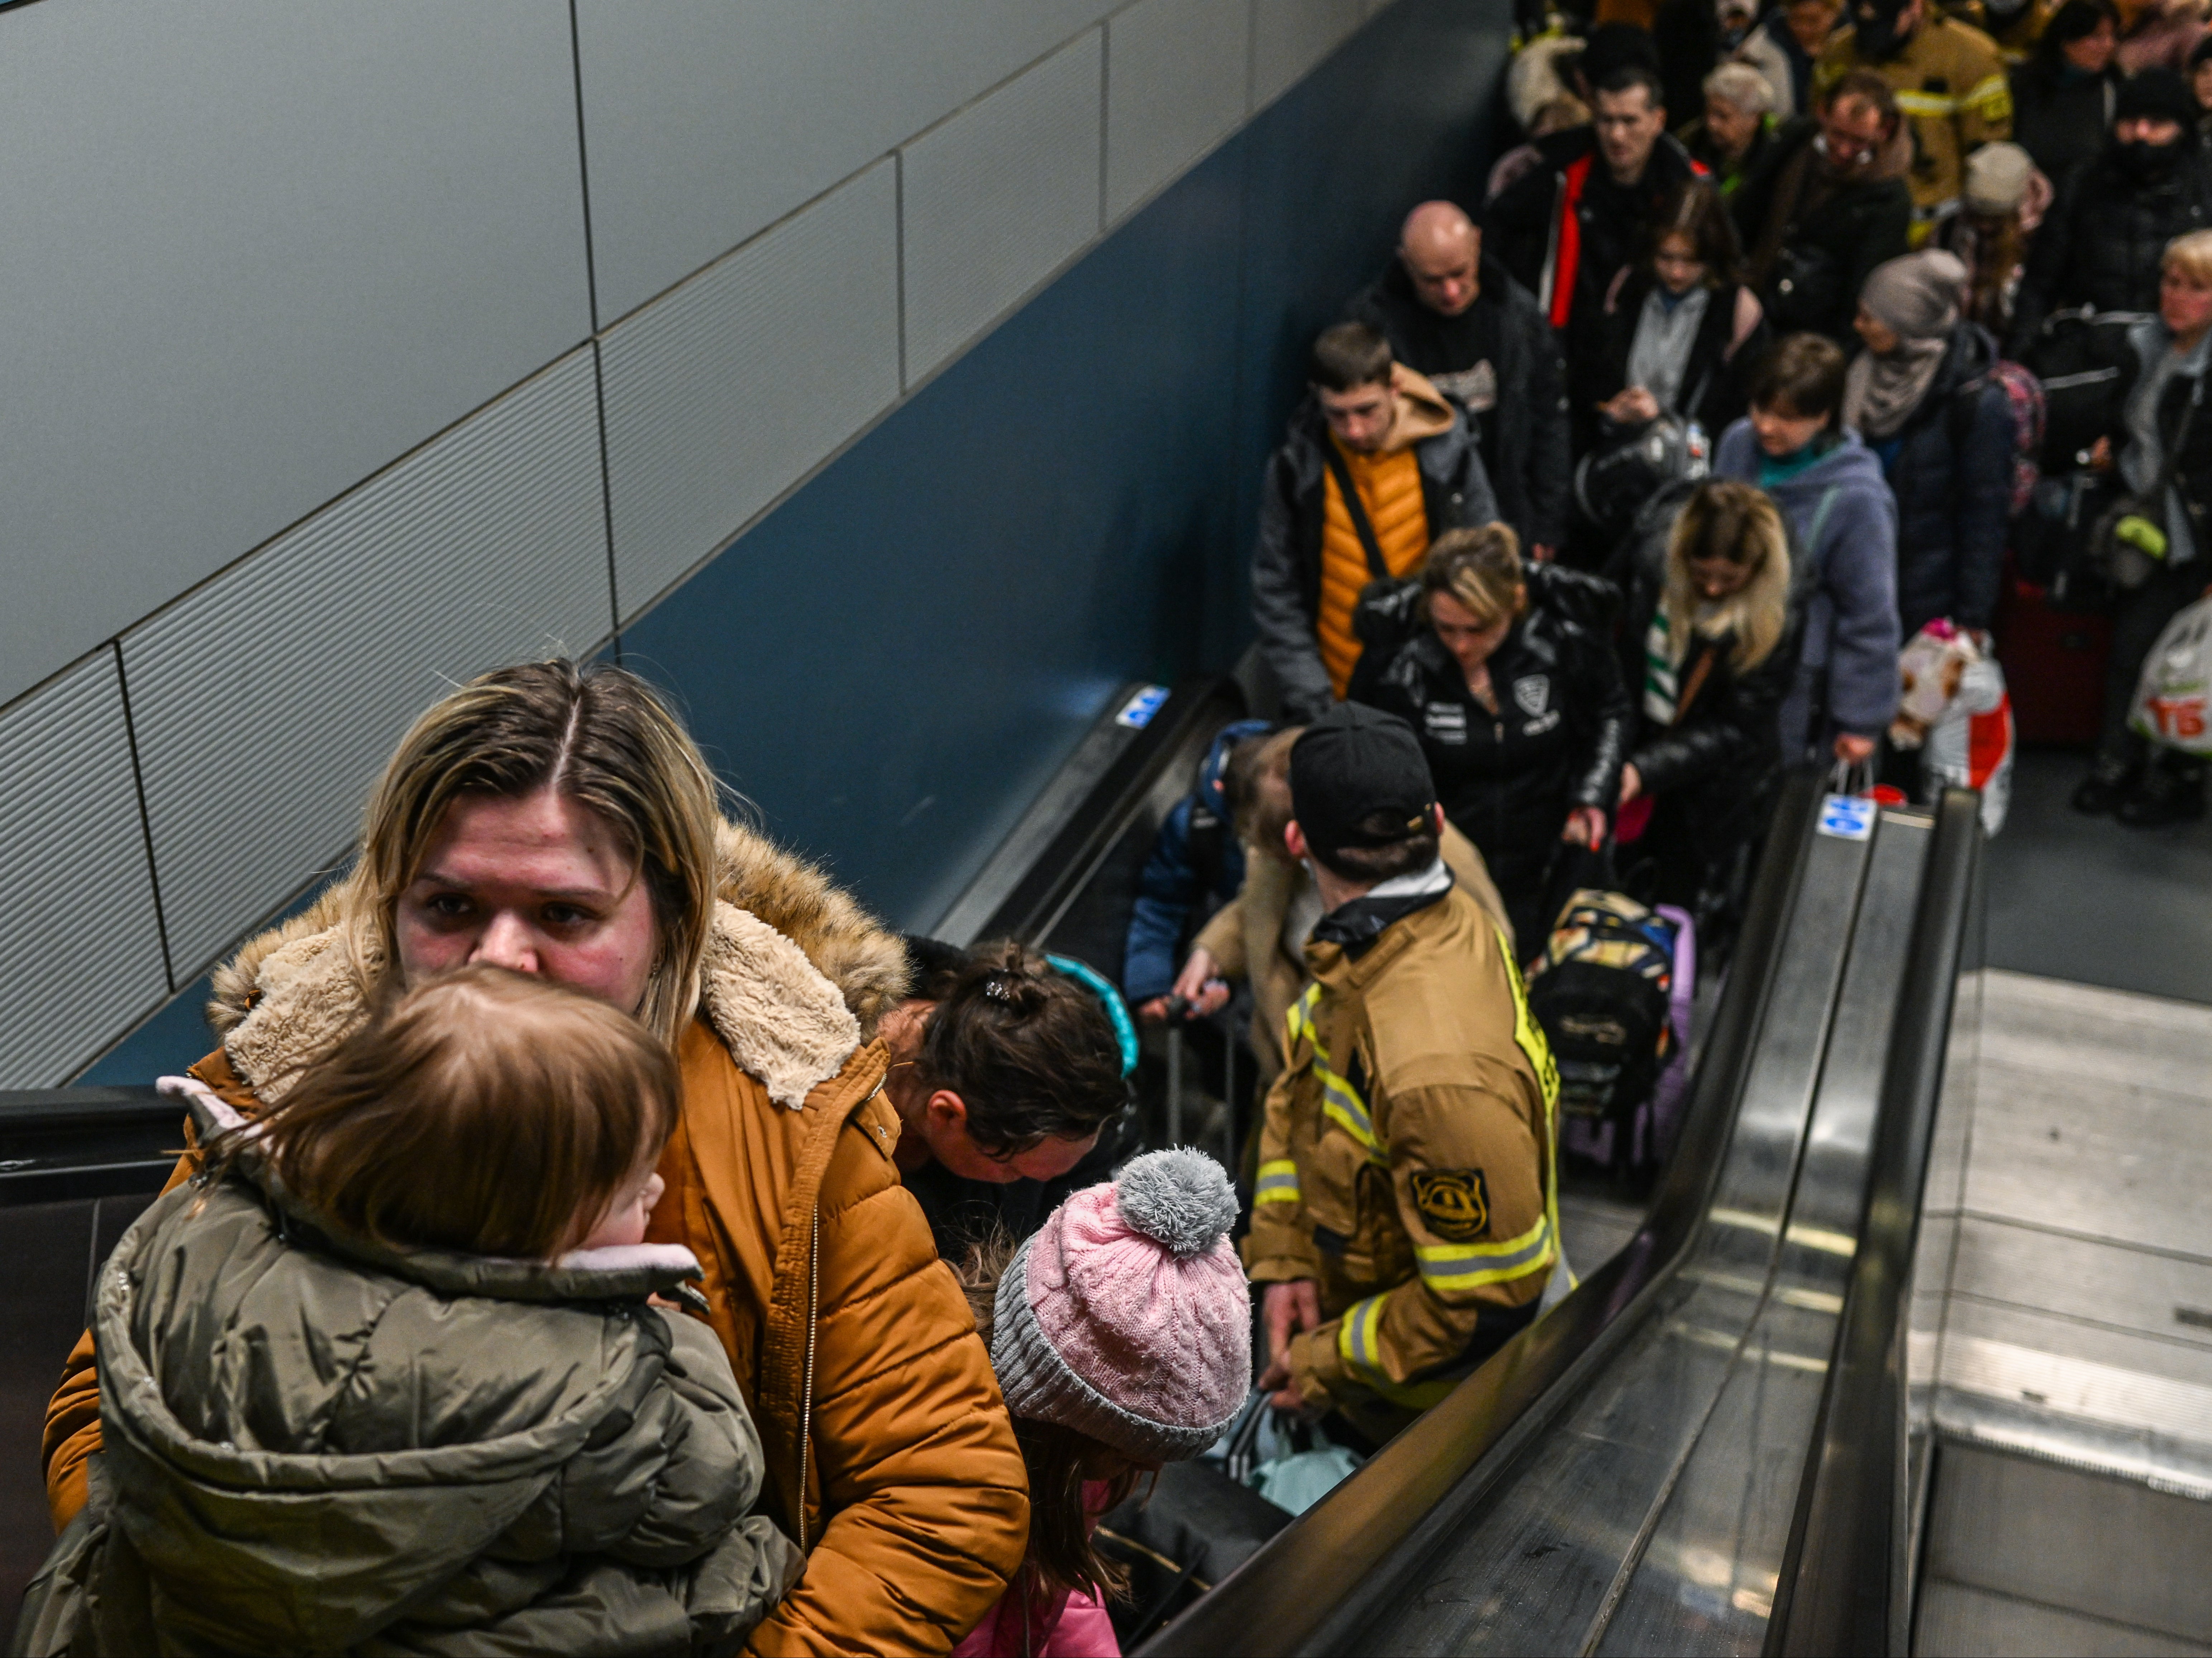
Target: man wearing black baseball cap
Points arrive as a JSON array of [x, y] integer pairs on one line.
[[1406, 1219]]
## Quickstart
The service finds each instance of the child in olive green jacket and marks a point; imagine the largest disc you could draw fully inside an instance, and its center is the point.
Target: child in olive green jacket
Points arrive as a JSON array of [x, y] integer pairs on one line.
[[393, 1374]]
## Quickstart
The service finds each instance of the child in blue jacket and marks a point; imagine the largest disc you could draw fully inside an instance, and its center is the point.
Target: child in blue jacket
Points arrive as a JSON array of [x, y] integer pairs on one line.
[[1195, 855]]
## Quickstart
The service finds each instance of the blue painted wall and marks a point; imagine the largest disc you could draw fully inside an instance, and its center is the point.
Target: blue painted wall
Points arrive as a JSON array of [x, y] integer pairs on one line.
[[891, 664]]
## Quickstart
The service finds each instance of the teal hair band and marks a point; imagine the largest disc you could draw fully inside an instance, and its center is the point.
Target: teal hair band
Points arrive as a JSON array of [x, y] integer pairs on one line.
[[1124, 1028]]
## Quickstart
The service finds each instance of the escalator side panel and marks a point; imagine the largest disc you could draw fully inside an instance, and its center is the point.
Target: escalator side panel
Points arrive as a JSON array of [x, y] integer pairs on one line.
[[1533, 1572], [1707, 1580]]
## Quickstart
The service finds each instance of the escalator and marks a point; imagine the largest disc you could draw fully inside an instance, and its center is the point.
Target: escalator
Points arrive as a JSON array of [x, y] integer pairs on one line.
[[1704, 1448]]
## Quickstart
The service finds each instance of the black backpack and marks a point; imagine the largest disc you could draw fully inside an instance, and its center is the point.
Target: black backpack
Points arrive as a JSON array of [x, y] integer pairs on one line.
[[2077, 356], [1601, 992]]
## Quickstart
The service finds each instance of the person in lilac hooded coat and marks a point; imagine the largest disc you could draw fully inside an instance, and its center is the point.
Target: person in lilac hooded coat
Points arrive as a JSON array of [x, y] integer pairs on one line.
[[1843, 520]]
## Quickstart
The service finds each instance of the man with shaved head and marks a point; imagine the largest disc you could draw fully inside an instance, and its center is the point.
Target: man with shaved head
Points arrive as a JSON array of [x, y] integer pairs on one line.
[[1456, 317]]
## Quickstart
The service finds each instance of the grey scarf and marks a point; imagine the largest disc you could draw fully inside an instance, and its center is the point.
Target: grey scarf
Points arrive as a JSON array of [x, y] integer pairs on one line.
[[1917, 299]]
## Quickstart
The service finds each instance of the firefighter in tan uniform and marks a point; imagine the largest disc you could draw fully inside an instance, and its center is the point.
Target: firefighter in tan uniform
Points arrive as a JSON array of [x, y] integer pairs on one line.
[[1406, 1219], [1949, 79]]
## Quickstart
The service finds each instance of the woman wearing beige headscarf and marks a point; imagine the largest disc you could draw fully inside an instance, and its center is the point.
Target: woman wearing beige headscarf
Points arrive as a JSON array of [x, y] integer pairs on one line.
[[1924, 398]]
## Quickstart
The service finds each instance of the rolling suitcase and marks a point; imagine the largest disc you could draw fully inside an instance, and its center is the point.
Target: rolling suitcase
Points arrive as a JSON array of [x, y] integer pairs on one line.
[[2054, 663]]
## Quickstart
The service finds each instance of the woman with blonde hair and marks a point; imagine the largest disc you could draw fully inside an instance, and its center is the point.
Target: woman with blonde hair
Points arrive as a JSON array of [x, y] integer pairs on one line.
[[1505, 671], [1711, 649], [553, 819]]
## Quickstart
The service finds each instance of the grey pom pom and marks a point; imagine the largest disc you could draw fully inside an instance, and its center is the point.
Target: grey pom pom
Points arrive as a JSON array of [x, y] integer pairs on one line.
[[1179, 1196]]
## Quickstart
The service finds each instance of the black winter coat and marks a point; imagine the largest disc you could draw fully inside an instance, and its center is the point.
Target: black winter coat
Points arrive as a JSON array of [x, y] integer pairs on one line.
[[1713, 773], [1508, 780], [1523, 434], [2191, 468], [1718, 383], [1950, 467], [2102, 242], [2061, 121], [1827, 239]]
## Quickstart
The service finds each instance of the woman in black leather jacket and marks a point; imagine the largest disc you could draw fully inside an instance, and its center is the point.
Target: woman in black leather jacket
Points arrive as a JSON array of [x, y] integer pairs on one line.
[[1710, 650], [1506, 673]]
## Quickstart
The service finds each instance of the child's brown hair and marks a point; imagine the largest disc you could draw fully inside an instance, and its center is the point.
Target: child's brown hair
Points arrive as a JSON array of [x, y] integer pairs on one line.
[[1062, 1554], [483, 1111]]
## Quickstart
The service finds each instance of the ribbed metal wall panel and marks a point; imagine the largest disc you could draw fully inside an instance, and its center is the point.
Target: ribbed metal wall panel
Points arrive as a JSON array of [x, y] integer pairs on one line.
[[1176, 73], [256, 249], [996, 199], [1289, 37], [722, 393], [266, 701], [80, 947], [707, 120]]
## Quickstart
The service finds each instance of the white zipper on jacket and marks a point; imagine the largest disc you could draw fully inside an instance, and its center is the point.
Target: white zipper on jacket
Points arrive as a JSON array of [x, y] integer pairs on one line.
[[806, 1386]]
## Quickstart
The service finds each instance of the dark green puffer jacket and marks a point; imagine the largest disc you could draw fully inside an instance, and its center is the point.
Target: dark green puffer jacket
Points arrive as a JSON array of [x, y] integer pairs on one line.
[[309, 1451]]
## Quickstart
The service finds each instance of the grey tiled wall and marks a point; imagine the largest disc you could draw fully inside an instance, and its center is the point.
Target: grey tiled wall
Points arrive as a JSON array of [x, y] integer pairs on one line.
[[79, 944]]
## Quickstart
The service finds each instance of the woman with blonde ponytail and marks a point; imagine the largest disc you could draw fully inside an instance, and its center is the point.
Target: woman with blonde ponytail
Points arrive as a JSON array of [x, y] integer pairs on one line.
[[1708, 652]]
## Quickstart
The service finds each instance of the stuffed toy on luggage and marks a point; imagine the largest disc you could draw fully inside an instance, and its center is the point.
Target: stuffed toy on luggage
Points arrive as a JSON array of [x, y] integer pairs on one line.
[[1953, 709]]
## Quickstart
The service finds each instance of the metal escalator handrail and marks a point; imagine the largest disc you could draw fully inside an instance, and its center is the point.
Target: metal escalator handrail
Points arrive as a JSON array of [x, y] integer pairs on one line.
[[1313, 1587], [42, 1109], [1027, 901], [61, 1143], [1843, 1581]]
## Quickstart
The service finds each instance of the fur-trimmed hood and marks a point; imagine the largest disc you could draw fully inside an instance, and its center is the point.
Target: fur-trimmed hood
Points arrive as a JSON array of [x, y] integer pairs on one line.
[[795, 978]]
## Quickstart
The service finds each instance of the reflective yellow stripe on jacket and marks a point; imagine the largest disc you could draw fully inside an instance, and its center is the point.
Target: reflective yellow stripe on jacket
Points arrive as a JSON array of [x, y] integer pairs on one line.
[[1278, 1181], [1450, 1267], [1340, 1100], [1528, 1037], [1356, 1346], [1989, 97]]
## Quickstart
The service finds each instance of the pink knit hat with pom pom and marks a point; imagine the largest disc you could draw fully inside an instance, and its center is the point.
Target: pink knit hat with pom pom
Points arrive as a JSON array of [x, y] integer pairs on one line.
[[1126, 1317]]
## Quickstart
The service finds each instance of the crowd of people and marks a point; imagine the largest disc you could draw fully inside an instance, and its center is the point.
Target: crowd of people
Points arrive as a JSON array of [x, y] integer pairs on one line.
[[1838, 279], [596, 1233]]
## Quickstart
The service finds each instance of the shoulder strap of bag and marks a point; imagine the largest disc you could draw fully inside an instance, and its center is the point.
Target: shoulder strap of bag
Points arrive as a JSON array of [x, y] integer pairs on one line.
[[1700, 671], [2169, 464], [1375, 566], [2169, 477]]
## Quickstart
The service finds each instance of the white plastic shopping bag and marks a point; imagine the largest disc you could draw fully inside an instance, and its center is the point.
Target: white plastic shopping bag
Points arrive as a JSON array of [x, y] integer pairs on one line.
[[2170, 697]]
